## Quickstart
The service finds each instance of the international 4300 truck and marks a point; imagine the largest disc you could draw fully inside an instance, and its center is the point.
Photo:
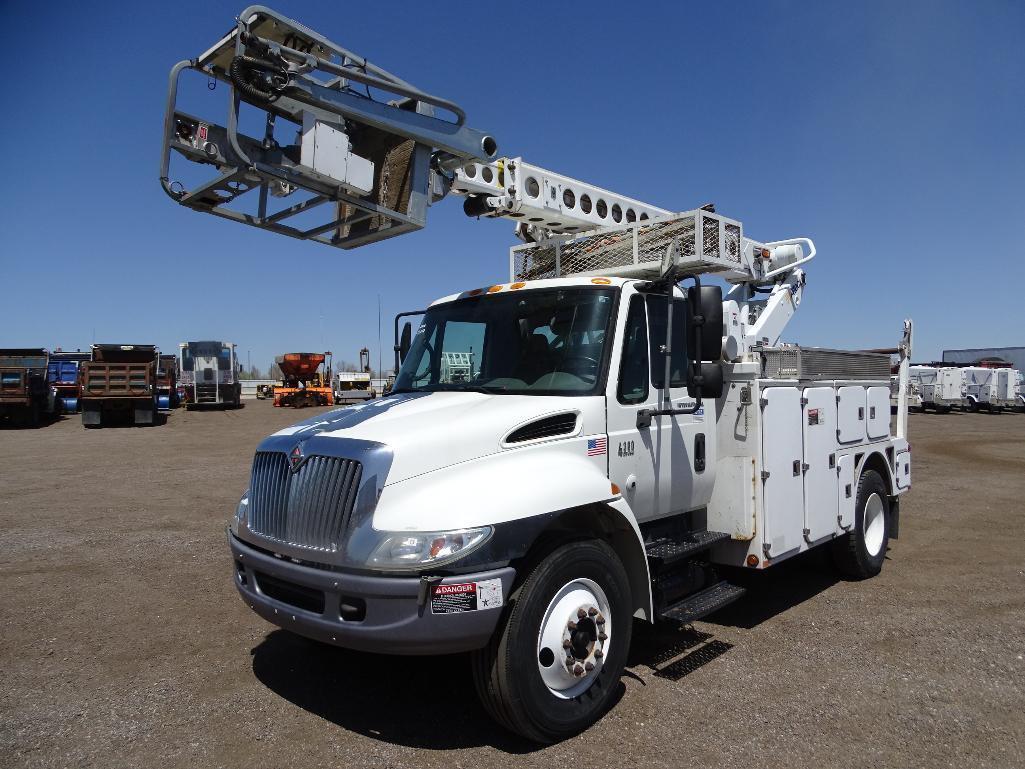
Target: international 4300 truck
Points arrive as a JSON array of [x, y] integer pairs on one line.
[[600, 439]]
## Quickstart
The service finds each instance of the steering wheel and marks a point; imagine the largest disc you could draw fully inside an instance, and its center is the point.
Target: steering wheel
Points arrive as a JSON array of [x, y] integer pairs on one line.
[[592, 362]]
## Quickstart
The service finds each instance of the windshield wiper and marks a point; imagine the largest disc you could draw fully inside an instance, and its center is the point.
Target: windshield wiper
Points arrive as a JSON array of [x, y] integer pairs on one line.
[[463, 387]]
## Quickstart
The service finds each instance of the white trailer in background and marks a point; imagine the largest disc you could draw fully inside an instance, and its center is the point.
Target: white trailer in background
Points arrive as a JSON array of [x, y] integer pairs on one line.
[[913, 394], [991, 389], [1019, 390], [617, 447], [941, 388]]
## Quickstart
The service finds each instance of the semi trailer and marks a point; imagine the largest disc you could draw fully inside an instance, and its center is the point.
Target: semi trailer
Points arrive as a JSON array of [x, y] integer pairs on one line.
[[210, 374], [625, 441], [119, 381], [26, 397]]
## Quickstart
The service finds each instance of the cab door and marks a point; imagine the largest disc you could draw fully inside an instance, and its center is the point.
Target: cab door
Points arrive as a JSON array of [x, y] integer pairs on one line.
[[633, 453]]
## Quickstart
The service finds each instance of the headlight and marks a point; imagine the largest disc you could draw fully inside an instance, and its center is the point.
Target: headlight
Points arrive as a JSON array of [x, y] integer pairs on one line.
[[241, 512], [416, 549]]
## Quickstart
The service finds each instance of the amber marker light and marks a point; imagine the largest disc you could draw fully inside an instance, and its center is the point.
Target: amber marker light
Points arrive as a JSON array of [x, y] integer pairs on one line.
[[615, 489], [752, 560], [476, 291], [494, 289], [601, 281], [515, 286]]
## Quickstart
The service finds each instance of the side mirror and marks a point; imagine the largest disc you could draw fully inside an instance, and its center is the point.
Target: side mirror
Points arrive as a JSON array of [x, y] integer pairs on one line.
[[405, 341], [706, 301], [711, 384]]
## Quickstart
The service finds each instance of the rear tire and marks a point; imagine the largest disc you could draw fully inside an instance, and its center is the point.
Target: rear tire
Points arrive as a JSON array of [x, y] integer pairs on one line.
[[860, 553], [525, 676]]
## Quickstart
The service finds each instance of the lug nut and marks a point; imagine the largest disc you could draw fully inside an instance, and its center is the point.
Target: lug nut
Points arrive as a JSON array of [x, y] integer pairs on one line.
[[581, 613], [592, 611], [598, 654], [589, 666], [566, 643], [602, 637], [571, 625], [578, 669], [599, 620]]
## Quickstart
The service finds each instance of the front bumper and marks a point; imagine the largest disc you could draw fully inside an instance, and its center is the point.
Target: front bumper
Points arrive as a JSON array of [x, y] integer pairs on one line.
[[368, 613]]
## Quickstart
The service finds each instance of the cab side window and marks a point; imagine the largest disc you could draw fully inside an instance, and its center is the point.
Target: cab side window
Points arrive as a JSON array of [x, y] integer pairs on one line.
[[657, 307], [633, 369]]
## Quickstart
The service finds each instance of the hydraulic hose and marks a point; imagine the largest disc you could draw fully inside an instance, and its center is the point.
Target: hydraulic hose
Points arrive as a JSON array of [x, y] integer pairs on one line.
[[248, 74]]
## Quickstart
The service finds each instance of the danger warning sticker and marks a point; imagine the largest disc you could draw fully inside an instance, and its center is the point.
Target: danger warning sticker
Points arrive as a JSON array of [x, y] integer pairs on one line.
[[466, 596]]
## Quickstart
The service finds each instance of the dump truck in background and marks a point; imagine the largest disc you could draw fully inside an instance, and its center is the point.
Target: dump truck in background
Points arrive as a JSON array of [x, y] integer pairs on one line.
[[306, 380], [210, 374], [25, 395], [167, 382], [120, 382], [64, 377]]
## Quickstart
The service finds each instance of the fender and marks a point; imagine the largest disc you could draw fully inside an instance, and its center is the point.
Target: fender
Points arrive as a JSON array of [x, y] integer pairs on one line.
[[534, 486]]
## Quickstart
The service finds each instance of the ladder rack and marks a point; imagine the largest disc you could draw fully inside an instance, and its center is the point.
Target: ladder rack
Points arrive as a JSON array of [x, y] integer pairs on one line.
[[707, 242]]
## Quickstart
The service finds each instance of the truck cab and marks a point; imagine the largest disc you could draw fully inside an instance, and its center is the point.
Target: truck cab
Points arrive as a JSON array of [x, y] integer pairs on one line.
[[576, 469]]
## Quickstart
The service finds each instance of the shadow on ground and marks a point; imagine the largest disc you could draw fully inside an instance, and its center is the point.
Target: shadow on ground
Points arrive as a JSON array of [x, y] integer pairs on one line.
[[419, 702], [430, 702]]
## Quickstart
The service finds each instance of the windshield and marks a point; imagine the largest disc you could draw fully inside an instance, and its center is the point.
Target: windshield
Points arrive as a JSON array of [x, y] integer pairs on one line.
[[192, 350], [543, 342]]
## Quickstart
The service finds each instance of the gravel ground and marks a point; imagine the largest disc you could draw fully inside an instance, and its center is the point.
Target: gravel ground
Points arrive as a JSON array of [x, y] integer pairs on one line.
[[125, 644]]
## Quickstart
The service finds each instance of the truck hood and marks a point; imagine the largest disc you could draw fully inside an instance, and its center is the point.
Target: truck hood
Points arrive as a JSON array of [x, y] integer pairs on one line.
[[429, 431]]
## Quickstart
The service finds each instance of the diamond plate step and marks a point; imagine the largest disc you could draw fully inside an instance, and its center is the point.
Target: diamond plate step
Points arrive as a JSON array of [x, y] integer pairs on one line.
[[704, 603], [664, 551]]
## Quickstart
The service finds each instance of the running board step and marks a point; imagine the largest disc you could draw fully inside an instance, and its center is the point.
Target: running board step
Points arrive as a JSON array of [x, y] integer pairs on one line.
[[662, 552], [704, 603]]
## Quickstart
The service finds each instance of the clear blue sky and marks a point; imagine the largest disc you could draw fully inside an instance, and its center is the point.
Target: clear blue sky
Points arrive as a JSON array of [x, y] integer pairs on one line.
[[891, 133]]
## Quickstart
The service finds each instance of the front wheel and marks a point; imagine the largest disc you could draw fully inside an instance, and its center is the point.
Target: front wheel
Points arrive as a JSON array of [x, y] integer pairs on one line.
[[553, 667], [860, 553]]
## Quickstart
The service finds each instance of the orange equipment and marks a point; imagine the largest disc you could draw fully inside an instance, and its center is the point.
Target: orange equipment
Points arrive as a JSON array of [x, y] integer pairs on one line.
[[306, 380]]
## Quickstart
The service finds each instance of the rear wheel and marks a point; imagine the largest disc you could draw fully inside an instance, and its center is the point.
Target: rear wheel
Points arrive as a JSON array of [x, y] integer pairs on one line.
[[860, 553], [553, 667]]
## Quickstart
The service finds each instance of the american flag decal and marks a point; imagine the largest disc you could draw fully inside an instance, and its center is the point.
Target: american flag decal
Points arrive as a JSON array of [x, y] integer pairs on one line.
[[596, 446]]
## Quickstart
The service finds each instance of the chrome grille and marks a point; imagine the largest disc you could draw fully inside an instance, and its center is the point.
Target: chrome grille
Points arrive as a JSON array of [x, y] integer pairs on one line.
[[308, 508]]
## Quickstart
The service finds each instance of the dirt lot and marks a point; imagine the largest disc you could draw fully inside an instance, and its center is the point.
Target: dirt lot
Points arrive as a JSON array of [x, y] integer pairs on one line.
[[125, 644]]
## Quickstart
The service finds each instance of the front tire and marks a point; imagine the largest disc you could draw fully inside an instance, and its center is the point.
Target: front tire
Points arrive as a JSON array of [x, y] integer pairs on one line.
[[553, 666], [860, 553]]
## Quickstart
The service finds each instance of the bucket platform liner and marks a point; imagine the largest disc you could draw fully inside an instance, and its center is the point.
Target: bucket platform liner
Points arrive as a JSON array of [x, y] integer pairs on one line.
[[372, 153]]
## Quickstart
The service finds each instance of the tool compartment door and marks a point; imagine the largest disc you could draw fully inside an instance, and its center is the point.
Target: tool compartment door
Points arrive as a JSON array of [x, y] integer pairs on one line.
[[902, 470], [846, 493], [850, 416], [782, 458], [878, 425], [820, 479]]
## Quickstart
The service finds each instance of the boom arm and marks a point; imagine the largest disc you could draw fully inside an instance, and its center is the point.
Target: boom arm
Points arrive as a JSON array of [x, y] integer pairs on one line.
[[372, 151]]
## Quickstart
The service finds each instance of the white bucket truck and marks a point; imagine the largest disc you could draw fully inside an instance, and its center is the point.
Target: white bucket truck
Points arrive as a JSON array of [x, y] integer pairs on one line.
[[620, 442], [941, 387], [992, 389]]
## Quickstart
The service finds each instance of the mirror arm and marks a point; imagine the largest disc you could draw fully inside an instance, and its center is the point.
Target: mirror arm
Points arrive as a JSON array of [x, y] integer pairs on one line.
[[644, 416]]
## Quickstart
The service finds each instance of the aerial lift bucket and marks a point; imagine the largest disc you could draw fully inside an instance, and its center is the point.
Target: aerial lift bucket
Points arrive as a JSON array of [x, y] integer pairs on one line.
[[371, 154]]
